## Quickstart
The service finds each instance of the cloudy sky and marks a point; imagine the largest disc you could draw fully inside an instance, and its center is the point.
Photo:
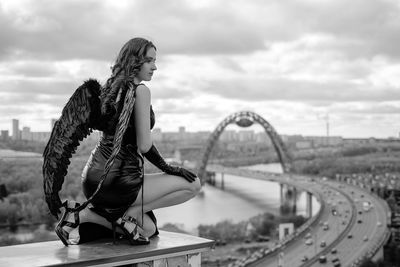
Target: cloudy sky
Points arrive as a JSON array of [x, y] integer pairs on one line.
[[296, 63]]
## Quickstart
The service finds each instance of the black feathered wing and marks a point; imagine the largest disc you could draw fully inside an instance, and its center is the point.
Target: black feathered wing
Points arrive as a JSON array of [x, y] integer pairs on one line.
[[79, 117]]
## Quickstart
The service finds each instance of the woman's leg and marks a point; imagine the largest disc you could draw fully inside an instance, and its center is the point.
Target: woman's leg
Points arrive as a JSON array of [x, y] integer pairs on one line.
[[162, 190]]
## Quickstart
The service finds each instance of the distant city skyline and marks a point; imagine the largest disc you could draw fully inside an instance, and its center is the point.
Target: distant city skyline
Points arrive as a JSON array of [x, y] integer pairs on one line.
[[24, 132], [17, 128], [325, 128]]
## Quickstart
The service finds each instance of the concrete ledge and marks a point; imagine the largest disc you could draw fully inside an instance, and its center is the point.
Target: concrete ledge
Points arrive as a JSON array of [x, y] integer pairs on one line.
[[166, 247]]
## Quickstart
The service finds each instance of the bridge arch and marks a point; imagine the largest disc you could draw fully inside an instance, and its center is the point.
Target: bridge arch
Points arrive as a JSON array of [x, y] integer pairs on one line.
[[246, 119]]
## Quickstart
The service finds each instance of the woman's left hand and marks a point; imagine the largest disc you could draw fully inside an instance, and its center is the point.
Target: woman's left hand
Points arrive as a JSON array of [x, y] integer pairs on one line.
[[182, 172]]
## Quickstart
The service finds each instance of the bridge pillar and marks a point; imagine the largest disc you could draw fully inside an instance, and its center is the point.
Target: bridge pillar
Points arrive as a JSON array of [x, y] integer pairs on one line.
[[288, 198], [210, 178], [308, 205], [294, 200], [222, 181]]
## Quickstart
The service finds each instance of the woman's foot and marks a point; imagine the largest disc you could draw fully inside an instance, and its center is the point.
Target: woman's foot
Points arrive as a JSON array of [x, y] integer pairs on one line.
[[67, 229], [130, 228]]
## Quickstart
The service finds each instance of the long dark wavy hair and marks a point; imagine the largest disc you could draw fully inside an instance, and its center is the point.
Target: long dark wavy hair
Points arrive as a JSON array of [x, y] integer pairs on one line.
[[118, 97], [129, 60]]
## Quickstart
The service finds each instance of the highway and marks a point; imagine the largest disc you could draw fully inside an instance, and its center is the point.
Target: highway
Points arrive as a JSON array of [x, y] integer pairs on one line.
[[367, 229]]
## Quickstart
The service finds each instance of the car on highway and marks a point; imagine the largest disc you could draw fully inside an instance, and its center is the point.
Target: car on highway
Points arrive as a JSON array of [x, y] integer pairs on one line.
[[349, 236], [336, 262], [367, 206], [325, 227], [344, 222], [379, 224], [365, 238], [307, 236], [322, 259], [359, 221], [309, 242], [323, 244], [334, 211], [334, 251], [304, 259], [262, 238]]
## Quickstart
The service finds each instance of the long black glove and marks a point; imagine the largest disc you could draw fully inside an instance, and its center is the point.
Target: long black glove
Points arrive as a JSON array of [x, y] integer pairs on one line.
[[157, 160]]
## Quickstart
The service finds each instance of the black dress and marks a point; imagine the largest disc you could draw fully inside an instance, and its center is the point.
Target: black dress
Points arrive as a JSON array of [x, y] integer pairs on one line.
[[125, 178]]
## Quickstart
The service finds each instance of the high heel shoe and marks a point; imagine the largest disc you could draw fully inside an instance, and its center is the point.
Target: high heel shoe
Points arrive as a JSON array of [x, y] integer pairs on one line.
[[69, 219], [130, 228]]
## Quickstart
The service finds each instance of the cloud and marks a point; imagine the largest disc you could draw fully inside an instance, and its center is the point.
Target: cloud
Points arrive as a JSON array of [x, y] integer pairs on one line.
[[29, 69], [299, 90], [365, 29], [288, 60], [49, 30], [34, 87], [362, 108], [94, 30]]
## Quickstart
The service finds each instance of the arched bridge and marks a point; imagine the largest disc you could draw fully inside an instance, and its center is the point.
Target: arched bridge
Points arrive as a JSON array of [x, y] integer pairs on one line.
[[355, 234], [246, 119]]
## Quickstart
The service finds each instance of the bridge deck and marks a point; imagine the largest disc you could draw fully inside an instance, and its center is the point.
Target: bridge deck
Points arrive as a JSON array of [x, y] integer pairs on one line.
[[166, 246]]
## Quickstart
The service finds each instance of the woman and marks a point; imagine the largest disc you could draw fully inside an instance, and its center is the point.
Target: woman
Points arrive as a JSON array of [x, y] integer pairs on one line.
[[126, 197]]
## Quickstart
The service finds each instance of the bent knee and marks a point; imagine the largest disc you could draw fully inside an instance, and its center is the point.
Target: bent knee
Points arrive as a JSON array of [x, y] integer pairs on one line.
[[149, 229]]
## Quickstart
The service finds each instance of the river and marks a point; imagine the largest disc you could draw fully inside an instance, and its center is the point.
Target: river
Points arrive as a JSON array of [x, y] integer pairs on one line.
[[241, 199]]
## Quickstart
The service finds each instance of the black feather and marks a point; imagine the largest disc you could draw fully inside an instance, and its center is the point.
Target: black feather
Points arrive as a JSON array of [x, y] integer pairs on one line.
[[78, 118]]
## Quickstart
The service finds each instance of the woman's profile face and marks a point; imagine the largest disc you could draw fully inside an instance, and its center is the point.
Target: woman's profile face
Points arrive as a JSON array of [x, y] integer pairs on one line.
[[149, 66]]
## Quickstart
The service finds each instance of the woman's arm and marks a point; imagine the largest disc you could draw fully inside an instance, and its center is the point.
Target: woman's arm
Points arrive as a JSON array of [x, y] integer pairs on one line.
[[142, 118]]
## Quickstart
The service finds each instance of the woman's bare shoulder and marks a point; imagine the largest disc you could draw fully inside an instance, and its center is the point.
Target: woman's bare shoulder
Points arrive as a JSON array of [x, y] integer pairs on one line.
[[142, 90]]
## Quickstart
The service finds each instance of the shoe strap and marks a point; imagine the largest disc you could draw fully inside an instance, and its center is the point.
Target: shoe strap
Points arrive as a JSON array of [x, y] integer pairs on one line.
[[130, 219], [76, 213], [70, 224]]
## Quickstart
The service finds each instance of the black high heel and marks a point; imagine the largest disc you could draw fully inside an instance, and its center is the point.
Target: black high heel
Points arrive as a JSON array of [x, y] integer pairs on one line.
[[63, 234], [134, 237]]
